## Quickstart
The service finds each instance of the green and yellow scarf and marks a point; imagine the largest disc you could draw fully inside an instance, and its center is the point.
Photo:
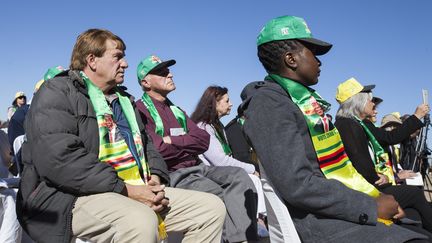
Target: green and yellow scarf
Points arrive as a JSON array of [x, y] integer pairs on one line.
[[330, 151], [381, 158], [114, 151]]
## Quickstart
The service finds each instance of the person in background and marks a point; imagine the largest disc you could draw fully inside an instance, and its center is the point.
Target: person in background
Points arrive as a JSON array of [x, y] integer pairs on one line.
[[409, 156], [241, 149], [368, 156], [10, 229], [376, 101], [400, 132], [391, 122], [16, 123], [212, 106], [19, 100]]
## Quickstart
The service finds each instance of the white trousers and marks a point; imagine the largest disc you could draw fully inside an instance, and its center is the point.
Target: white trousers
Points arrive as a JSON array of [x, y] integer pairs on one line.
[[10, 229]]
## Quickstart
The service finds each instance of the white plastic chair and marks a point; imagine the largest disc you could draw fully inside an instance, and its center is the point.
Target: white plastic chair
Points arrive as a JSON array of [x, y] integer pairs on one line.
[[280, 224], [17, 144]]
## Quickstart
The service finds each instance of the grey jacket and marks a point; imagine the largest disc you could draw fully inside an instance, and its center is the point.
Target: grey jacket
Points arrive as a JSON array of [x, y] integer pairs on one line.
[[323, 210], [61, 159]]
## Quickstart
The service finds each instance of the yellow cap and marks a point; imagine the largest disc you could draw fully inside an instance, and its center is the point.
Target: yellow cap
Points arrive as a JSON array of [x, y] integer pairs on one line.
[[350, 88], [38, 84], [396, 114], [19, 94]]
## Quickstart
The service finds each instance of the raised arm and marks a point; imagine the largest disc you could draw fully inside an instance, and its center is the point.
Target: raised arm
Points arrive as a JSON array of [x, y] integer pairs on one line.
[[398, 134]]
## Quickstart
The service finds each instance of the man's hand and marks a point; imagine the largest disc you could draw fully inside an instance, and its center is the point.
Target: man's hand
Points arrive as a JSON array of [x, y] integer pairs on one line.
[[154, 180], [151, 195], [383, 179], [167, 139], [421, 111], [387, 207]]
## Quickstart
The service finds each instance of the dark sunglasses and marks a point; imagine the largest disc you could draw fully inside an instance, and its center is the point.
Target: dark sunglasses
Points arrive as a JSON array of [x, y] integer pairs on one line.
[[163, 72]]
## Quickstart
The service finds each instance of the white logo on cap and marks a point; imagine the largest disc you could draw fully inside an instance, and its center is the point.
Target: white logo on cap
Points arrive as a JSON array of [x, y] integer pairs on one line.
[[285, 31], [155, 59], [307, 27]]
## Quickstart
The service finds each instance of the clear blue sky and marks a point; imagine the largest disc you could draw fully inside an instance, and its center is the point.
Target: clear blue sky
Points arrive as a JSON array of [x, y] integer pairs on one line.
[[387, 43]]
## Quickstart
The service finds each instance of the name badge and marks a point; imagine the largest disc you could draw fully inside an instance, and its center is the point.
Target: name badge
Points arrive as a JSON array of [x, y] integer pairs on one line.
[[177, 131]]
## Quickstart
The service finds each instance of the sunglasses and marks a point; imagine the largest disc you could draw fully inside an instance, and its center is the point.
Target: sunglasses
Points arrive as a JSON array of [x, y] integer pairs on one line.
[[21, 97], [163, 72]]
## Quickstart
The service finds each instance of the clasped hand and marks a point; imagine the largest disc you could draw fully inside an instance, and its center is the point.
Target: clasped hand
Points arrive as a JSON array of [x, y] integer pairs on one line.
[[152, 194]]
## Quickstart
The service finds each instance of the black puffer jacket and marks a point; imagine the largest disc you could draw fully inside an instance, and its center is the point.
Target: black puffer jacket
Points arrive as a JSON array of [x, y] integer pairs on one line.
[[61, 159]]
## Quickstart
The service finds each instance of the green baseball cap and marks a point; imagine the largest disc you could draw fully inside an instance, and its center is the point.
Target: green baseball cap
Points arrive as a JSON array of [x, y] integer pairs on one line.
[[150, 63], [52, 72], [291, 27]]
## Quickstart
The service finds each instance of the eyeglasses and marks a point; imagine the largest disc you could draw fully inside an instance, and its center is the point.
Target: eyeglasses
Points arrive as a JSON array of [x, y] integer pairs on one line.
[[21, 97]]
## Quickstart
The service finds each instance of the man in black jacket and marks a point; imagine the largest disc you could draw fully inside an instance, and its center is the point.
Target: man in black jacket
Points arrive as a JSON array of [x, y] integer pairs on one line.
[[90, 171]]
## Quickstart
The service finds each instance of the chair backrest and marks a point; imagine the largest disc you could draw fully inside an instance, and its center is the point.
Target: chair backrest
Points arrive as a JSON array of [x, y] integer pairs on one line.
[[17, 144], [78, 240], [281, 226]]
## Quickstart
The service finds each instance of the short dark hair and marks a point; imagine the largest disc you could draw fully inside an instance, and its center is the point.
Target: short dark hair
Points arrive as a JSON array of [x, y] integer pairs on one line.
[[271, 53]]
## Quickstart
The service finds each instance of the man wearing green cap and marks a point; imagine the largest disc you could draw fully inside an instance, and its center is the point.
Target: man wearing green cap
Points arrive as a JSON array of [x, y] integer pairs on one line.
[[91, 171], [301, 151], [180, 141]]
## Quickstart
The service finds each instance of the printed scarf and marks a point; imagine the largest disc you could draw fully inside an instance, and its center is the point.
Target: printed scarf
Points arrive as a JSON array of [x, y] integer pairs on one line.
[[115, 151], [330, 151]]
